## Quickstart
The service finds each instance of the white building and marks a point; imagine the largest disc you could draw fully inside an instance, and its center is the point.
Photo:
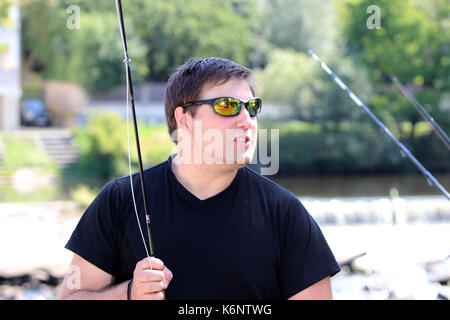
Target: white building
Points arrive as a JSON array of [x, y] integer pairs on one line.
[[10, 91]]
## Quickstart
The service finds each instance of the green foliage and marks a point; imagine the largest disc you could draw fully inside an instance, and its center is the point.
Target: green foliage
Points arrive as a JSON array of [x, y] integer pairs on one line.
[[45, 40], [96, 62], [21, 151], [412, 44], [160, 36], [5, 20], [295, 81], [83, 195], [329, 135], [90, 55], [398, 47], [356, 150], [5, 5], [294, 24], [178, 29], [42, 193], [104, 148]]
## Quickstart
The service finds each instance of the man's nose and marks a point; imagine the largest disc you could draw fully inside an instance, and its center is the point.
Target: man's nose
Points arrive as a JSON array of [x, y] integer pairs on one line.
[[244, 120]]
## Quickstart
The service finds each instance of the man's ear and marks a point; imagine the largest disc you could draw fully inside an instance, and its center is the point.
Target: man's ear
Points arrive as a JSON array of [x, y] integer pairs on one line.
[[181, 118]]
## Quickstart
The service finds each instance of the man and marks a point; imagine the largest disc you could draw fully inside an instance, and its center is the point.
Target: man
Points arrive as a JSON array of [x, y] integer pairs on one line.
[[220, 230]]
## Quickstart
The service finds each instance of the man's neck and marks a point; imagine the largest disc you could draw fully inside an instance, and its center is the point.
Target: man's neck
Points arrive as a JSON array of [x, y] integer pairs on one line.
[[202, 180]]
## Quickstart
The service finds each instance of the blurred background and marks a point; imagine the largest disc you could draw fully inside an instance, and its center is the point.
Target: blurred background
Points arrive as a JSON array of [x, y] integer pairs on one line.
[[63, 129]]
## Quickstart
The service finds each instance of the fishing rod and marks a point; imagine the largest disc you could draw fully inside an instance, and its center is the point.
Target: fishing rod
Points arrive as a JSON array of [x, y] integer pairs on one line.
[[403, 149], [130, 99], [436, 128]]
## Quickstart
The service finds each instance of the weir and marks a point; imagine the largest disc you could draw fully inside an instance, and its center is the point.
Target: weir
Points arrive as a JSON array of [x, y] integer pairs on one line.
[[378, 210]]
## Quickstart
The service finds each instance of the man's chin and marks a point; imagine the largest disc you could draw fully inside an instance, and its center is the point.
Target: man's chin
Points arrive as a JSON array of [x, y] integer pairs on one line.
[[236, 163], [242, 165], [236, 160], [243, 161]]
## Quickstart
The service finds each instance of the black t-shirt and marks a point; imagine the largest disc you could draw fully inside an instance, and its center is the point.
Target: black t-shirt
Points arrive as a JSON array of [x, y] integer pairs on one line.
[[253, 240]]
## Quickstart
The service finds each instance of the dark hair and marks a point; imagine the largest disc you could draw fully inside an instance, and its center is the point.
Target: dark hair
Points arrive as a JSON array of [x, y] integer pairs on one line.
[[186, 83]]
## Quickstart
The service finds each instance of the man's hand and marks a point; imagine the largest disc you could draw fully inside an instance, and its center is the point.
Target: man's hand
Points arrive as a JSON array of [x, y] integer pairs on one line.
[[150, 278], [92, 283]]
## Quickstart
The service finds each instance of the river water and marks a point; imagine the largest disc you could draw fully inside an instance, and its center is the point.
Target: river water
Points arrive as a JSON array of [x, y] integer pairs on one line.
[[361, 186], [316, 187]]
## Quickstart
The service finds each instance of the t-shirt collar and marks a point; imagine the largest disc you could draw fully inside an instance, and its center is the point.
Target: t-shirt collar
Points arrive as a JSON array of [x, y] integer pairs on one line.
[[191, 198]]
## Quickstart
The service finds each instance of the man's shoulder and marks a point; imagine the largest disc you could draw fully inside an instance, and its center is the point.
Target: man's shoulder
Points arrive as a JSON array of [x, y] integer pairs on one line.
[[122, 184], [279, 201], [267, 186], [149, 173]]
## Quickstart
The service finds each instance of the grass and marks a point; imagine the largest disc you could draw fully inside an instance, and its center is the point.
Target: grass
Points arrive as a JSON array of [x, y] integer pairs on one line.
[[21, 151]]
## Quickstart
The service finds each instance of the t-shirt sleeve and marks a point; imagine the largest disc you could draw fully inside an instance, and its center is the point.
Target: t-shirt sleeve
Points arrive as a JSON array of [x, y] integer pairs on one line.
[[94, 238], [305, 255]]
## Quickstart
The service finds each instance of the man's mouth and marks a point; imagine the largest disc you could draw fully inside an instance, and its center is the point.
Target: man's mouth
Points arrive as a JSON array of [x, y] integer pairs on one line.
[[242, 139]]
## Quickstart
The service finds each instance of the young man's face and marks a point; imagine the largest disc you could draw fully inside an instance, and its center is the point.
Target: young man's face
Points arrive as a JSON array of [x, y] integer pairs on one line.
[[224, 140]]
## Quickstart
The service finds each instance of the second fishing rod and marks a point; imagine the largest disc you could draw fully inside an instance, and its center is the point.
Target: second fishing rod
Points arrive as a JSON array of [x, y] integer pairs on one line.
[[403, 149], [421, 110]]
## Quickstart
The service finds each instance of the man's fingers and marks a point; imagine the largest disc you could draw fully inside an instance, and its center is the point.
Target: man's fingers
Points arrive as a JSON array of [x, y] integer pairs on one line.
[[167, 275], [159, 295], [149, 275], [150, 278], [154, 296], [152, 287], [154, 264]]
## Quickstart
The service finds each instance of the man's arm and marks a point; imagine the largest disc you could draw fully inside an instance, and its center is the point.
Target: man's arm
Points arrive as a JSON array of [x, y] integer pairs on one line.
[[320, 290], [85, 281]]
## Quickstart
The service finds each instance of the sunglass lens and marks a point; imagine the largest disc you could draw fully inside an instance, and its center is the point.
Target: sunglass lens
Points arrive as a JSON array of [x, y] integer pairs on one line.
[[254, 106], [227, 106]]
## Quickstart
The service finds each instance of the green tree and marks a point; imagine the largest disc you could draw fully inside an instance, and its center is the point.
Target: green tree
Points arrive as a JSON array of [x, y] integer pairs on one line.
[[305, 92], [104, 147], [5, 5], [175, 30], [96, 61], [411, 44], [5, 21], [292, 79], [300, 24], [90, 55], [160, 34]]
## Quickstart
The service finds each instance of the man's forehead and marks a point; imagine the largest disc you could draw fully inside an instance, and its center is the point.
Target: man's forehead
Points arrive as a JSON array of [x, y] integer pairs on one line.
[[236, 87]]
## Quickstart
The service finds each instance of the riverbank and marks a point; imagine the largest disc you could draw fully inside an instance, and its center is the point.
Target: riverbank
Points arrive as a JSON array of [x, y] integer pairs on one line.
[[33, 235], [401, 261]]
